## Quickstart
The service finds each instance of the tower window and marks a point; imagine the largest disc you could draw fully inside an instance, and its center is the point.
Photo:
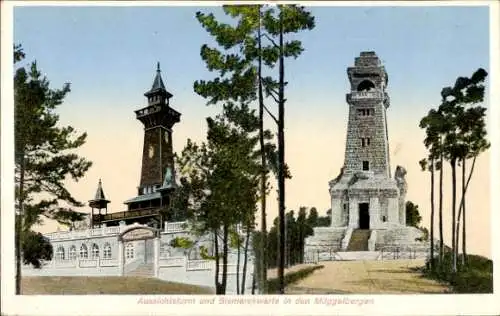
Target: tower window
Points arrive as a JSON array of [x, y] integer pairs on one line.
[[366, 85], [365, 112], [366, 165], [365, 141]]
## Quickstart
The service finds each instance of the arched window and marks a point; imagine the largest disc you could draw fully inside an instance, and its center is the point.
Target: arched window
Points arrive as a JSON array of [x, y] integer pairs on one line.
[[72, 253], [107, 251], [366, 85], [60, 253], [129, 251], [84, 253], [95, 251]]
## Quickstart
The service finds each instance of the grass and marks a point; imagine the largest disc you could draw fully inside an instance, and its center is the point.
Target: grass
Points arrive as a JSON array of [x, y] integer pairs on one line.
[[291, 277], [106, 285], [475, 277]]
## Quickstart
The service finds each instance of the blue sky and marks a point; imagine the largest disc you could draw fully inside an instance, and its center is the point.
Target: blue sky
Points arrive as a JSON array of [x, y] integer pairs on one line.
[[109, 55], [112, 51]]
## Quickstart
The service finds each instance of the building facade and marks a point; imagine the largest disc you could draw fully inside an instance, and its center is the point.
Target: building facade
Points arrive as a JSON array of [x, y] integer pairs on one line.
[[141, 240], [367, 201], [364, 195]]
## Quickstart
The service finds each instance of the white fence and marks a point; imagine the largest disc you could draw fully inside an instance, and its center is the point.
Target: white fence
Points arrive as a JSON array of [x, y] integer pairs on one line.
[[80, 263], [410, 251]]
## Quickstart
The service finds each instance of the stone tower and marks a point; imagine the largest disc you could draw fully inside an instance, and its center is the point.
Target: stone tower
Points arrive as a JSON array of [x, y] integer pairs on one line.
[[158, 118], [364, 195]]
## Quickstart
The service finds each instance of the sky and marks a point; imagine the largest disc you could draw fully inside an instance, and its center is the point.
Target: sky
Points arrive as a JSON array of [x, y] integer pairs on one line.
[[109, 56]]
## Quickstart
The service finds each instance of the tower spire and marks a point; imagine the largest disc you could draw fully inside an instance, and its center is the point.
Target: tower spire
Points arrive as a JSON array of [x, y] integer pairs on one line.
[[158, 94]]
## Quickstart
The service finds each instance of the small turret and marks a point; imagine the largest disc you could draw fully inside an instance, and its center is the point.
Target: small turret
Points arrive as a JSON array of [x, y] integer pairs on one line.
[[99, 202]]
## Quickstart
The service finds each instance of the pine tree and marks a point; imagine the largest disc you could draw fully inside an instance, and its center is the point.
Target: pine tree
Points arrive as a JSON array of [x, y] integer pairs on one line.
[[43, 155], [240, 79]]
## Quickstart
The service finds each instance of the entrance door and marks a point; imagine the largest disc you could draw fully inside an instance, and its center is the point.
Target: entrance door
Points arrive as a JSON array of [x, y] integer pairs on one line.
[[364, 216]]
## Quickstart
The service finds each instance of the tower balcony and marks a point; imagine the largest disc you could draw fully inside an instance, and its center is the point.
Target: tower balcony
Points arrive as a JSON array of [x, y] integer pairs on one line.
[[364, 95]]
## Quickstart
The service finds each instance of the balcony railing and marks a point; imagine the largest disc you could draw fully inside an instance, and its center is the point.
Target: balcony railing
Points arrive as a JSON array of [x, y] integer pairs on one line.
[[174, 227], [126, 214], [360, 95]]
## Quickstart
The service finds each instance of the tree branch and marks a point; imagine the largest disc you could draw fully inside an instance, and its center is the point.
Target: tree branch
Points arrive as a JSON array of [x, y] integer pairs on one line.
[[270, 39], [270, 114]]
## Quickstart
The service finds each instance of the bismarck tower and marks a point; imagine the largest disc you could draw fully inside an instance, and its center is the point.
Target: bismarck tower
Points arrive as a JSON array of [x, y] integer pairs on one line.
[[368, 204], [364, 195]]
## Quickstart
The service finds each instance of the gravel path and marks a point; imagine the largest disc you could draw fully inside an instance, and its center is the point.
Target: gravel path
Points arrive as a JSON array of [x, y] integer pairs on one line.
[[367, 277]]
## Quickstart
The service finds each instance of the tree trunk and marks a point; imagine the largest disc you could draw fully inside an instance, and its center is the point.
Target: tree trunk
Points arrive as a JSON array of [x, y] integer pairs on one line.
[[281, 162], [441, 238], [432, 214], [238, 264], [225, 243], [464, 252], [263, 175], [245, 259], [462, 207], [19, 226], [218, 289], [453, 213]]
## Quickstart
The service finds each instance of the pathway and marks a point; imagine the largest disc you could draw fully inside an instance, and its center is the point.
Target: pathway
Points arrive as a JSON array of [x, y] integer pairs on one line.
[[367, 277]]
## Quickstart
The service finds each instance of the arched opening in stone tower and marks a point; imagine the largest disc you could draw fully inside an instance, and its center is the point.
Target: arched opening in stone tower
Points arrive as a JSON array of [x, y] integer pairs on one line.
[[366, 85]]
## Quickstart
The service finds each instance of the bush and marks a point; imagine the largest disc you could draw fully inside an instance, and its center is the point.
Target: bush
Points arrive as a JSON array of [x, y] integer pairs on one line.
[[36, 247], [292, 277], [475, 277]]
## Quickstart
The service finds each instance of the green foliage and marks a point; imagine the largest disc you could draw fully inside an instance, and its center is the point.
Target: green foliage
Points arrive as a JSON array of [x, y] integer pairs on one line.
[[292, 277], [35, 248], [182, 242], [297, 229], [204, 253], [475, 277], [413, 217], [456, 132], [43, 149]]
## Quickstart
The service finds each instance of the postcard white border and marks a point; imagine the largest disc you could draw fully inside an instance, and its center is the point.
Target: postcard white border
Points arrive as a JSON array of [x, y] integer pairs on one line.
[[128, 304]]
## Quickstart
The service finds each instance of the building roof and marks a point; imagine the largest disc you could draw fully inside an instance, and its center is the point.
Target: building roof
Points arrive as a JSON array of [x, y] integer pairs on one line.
[[99, 195], [99, 200], [158, 82], [158, 86], [144, 197]]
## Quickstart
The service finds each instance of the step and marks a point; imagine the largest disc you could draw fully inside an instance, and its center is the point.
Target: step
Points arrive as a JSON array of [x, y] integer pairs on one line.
[[359, 240]]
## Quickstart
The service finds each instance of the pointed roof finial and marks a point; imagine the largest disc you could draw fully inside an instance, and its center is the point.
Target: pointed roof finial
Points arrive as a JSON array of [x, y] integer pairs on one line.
[[99, 200], [158, 82], [99, 195]]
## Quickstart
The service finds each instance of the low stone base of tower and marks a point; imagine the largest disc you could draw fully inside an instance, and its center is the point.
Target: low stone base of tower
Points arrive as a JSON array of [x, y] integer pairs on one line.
[[399, 236], [328, 242], [325, 239]]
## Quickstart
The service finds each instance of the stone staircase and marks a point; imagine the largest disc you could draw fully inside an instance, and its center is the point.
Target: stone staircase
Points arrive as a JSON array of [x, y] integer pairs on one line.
[[144, 270], [359, 240]]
